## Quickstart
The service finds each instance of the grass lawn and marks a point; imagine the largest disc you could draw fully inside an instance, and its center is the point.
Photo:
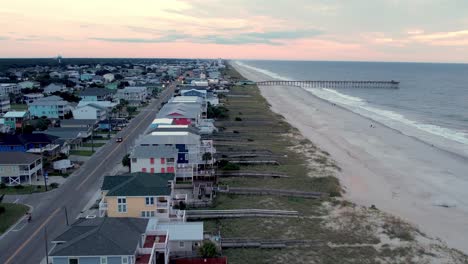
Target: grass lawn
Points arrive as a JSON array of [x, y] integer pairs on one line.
[[81, 152], [96, 145], [19, 107], [12, 213]]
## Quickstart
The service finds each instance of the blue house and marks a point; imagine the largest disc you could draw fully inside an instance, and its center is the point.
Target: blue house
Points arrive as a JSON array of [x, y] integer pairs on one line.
[[194, 92], [51, 107], [96, 94], [102, 240], [27, 142]]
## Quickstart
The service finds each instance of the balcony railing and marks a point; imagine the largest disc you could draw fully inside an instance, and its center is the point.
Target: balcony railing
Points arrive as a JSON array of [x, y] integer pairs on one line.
[[162, 204], [102, 208]]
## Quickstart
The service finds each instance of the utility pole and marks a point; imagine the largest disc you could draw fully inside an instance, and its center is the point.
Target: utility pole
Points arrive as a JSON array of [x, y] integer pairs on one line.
[[92, 139], [66, 215], [46, 247]]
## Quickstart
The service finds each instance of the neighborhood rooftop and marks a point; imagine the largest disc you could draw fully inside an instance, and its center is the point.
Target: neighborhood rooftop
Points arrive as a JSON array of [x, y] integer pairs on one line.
[[138, 184], [101, 236]]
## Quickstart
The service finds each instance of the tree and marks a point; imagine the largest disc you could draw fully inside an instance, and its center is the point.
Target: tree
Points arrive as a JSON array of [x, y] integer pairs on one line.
[[126, 161], [206, 157], [131, 110], [208, 249]]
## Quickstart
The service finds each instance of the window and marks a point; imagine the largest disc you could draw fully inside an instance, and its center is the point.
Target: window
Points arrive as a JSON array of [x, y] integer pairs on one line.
[[152, 170], [134, 160], [181, 244], [163, 160], [143, 170], [147, 214], [149, 200], [163, 170], [122, 204], [103, 260], [151, 160], [73, 261], [125, 260]]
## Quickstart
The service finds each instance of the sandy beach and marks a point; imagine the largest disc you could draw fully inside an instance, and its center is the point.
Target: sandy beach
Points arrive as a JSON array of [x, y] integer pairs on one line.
[[420, 183]]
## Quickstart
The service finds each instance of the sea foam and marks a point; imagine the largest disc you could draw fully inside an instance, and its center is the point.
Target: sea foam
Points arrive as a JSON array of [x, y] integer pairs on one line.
[[360, 106]]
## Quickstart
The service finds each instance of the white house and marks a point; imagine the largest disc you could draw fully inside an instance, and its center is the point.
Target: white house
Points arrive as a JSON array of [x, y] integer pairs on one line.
[[7, 88], [19, 167], [90, 111], [55, 87], [108, 77], [153, 159], [133, 94]]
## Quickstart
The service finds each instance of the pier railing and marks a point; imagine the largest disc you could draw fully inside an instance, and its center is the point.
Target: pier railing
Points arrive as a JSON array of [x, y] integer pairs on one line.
[[333, 84]]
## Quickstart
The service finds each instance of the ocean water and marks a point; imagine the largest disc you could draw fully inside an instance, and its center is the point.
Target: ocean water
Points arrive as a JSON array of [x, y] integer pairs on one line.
[[431, 103]]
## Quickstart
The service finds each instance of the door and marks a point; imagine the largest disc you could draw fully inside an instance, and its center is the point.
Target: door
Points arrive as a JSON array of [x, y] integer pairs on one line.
[[73, 261]]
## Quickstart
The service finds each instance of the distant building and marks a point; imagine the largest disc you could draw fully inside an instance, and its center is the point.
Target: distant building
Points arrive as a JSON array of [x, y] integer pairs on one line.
[[16, 119], [108, 77], [55, 87], [96, 94], [90, 111], [29, 98], [9, 88], [135, 95], [51, 107], [4, 104]]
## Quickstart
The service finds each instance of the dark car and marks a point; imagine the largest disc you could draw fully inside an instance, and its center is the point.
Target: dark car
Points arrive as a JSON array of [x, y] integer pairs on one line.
[[119, 139]]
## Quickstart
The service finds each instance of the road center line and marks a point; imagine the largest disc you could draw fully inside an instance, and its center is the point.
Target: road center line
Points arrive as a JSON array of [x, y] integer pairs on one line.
[[32, 236]]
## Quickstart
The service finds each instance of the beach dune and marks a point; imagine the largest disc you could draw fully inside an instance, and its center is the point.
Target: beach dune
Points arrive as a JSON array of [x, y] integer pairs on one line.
[[420, 183]]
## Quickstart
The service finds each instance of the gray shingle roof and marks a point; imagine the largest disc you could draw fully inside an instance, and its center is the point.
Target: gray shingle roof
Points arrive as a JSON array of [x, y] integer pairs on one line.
[[101, 237], [154, 152], [17, 158], [95, 92], [138, 184], [186, 110]]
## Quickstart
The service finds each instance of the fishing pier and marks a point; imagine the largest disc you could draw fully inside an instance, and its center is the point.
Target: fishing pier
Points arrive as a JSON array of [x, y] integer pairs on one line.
[[333, 84]]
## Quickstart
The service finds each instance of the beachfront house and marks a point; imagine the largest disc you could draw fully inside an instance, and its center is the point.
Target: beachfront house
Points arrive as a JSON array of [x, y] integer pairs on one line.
[[50, 107], [127, 240], [19, 168], [143, 195], [153, 159], [29, 98], [105, 241], [182, 113]]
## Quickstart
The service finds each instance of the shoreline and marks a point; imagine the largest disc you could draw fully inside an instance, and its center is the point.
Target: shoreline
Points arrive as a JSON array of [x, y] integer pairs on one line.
[[394, 171]]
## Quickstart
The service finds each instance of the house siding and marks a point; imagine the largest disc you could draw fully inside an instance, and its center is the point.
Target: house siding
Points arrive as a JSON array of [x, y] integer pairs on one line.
[[135, 205], [114, 260], [90, 260], [60, 260]]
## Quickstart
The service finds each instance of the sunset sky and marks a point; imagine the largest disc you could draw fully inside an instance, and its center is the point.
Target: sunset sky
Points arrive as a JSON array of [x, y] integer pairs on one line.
[[369, 30]]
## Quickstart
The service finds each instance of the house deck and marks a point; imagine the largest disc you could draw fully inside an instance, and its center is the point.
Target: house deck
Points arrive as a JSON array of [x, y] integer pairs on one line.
[[151, 239], [143, 259]]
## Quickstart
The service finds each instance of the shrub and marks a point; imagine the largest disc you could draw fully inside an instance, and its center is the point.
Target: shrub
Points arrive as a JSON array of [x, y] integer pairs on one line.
[[19, 187], [2, 209], [54, 185], [208, 249], [238, 119], [2, 185], [235, 132], [231, 166]]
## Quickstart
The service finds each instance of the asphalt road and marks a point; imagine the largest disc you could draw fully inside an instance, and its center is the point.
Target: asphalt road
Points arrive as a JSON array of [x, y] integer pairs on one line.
[[28, 244]]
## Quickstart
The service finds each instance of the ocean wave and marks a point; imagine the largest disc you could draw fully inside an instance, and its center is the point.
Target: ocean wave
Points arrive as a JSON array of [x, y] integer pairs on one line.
[[356, 104], [266, 72], [360, 106]]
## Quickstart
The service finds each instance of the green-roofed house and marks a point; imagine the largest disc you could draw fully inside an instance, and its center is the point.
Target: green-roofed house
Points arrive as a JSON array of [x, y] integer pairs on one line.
[[140, 194]]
